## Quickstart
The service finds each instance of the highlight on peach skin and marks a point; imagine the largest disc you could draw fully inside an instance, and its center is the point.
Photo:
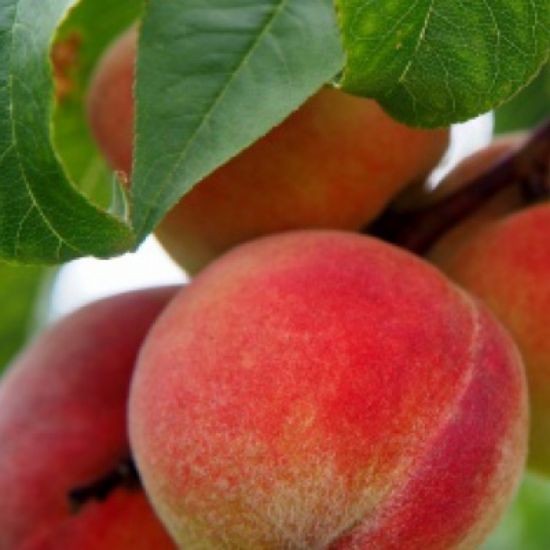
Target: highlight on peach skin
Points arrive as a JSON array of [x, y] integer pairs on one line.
[[334, 163]]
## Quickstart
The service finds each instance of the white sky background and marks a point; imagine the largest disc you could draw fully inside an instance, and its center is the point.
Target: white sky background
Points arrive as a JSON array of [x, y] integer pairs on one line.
[[83, 281], [466, 139]]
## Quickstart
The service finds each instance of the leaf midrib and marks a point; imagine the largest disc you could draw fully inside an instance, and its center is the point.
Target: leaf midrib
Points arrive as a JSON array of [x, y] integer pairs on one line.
[[149, 213]]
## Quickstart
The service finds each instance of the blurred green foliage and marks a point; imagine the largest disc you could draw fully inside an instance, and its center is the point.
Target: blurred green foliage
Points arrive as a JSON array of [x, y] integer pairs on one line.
[[526, 525], [527, 109], [19, 290]]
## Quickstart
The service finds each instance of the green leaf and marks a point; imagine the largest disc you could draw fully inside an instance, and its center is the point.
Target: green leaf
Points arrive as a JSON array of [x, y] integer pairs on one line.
[[528, 108], [525, 526], [19, 289], [43, 218], [434, 62], [212, 77], [86, 32]]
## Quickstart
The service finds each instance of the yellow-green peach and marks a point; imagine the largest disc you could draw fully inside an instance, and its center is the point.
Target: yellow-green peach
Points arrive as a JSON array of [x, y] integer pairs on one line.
[[334, 163]]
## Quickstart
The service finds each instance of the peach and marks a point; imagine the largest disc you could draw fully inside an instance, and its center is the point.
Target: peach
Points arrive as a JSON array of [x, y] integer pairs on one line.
[[323, 389], [64, 439], [507, 264], [335, 163], [109, 102]]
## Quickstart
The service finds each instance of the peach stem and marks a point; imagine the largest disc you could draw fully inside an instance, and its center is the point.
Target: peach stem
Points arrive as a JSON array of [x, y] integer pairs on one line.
[[528, 167], [125, 474]]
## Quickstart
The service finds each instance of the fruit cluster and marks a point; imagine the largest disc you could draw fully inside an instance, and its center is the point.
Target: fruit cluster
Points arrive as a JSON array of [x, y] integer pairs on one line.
[[312, 387]]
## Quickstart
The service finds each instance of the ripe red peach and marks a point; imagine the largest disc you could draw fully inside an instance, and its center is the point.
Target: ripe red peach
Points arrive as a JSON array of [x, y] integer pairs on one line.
[[322, 389], [64, 437], [507, 264], [335, 162]]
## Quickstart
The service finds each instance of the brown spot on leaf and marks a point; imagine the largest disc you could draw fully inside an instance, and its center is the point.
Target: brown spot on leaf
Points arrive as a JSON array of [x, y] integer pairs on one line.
[[65, 60]]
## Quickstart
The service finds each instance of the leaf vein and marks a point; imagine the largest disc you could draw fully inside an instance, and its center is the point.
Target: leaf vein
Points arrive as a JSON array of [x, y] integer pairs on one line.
[[19, 162]]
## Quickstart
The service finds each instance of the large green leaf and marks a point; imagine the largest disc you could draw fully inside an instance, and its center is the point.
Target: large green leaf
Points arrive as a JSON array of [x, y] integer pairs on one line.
[[212, 77], [19, 288], [528, 108], [43, 218], [433, 62]]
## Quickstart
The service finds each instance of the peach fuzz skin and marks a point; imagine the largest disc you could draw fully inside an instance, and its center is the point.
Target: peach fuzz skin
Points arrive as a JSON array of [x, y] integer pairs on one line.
[[323, 389], [63, 427], [336, 162], [507, 264]]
